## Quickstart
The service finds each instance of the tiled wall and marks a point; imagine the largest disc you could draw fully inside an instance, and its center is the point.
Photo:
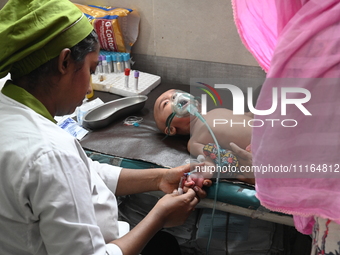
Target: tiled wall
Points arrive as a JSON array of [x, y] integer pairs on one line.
[[180, 71], [181, 39], [187, 29]]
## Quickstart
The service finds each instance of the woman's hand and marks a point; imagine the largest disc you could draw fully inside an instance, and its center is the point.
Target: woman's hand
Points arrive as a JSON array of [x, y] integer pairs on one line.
[[170, 211], [197, 182], [171, 179], [173, 209], [245, 159], [199, 179]]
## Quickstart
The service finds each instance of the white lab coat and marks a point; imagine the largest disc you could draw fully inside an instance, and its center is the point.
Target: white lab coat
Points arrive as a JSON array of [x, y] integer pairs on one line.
[[53, 198]]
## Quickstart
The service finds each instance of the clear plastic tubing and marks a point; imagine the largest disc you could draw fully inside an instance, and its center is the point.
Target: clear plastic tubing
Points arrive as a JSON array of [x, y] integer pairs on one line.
[[183, 104], [193, 110]]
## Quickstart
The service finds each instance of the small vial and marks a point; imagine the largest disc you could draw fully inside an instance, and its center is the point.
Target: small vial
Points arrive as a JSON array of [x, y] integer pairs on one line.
[[180, 185], [120, 64], [114, 62], [99, 67], [126, 58], [136, 75], [109, 63], [100, 64], [105, 65], [127, 75]]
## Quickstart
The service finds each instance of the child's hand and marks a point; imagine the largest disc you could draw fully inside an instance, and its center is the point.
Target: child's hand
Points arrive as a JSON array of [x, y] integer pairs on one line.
[[171, 178], [196, 181]]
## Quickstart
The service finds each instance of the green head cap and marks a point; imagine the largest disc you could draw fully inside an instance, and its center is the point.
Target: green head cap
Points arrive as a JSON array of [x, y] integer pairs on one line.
[[33, 32]]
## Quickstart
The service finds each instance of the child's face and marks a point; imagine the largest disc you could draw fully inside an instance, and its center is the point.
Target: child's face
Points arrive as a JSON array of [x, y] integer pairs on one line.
[[162, 110]]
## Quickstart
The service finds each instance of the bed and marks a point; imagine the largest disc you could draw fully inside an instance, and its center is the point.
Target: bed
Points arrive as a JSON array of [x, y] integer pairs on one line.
[[144, 147]]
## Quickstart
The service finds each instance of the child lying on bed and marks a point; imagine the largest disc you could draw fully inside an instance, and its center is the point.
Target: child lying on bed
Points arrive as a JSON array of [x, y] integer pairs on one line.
[[201, 141]]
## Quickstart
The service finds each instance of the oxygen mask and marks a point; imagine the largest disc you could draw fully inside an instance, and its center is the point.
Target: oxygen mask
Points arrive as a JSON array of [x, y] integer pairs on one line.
[[182, 105], [181, 102]]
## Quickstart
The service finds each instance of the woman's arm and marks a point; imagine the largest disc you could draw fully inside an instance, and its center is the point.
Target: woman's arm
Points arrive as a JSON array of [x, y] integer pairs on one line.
[[171, 210], [133, 181]]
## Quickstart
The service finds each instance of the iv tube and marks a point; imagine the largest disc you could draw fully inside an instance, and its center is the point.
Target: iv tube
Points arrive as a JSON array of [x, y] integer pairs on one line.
[[193, 110]]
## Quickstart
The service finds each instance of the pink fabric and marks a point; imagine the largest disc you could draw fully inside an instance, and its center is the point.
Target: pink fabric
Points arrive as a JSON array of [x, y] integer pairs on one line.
[[298, 43], [260, 22]]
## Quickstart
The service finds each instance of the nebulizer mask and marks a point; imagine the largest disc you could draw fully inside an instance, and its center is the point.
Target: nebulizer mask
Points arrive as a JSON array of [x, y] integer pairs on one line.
[[182, 104]]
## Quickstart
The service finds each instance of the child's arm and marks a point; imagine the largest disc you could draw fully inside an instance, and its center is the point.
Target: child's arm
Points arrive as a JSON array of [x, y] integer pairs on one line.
[[195, 148], [228, 159]]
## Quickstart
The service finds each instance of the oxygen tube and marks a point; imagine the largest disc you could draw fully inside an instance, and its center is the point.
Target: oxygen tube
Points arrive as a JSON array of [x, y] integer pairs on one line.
[[183, 104]]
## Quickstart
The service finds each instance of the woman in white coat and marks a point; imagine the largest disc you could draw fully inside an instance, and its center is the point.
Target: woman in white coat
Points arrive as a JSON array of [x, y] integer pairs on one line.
[[54, 199]]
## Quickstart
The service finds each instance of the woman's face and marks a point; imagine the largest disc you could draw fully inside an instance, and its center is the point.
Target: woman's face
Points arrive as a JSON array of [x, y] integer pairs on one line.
[[77, 84]]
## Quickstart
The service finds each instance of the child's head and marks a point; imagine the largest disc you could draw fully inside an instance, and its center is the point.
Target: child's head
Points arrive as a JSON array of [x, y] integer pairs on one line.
[[162, 110]]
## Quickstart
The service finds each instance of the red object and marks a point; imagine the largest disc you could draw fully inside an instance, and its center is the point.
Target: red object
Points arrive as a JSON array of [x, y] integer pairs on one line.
[[127, 71], [106, 36]]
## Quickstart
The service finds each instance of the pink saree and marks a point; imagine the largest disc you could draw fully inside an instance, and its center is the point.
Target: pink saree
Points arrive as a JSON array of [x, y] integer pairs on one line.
[[297, 42]]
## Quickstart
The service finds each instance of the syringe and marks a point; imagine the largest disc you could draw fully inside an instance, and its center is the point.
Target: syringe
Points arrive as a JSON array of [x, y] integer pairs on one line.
[[180, 185]]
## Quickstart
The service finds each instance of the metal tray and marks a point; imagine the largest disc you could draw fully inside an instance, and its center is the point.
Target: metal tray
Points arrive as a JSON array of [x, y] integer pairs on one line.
[[105, 114]]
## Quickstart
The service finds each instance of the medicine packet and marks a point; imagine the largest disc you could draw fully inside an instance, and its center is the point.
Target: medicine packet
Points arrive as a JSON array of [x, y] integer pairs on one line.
[[72, 127], [117, 28]]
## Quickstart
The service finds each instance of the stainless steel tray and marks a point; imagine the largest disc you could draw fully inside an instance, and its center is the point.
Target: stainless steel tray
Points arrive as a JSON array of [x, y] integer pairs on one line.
[[103, 115]]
